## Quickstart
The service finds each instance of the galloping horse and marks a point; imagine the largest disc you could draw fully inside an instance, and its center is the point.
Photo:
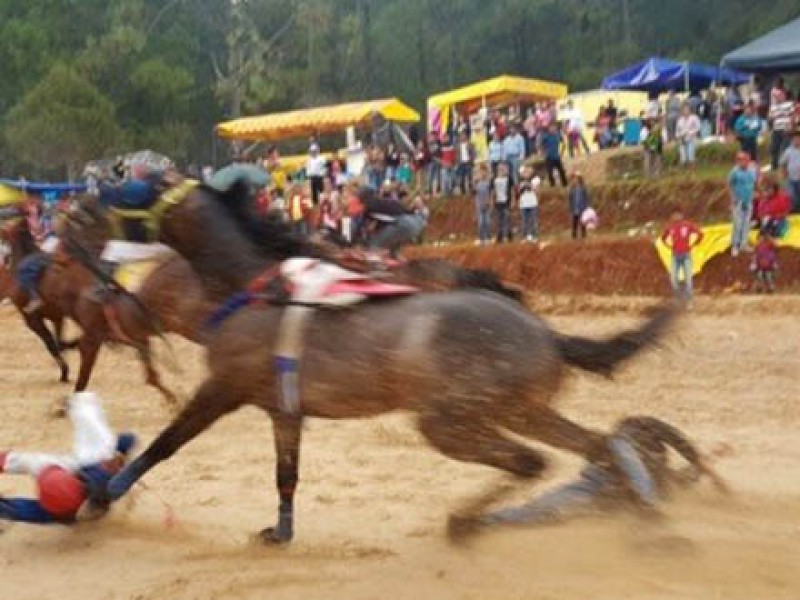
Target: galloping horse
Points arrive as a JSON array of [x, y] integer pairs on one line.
[[472, 365], [172, 292], [22, 245]]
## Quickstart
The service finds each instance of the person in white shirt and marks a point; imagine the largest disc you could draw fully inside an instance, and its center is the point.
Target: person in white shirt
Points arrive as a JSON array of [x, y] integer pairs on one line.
[[686, 131], [576, 125], [315, 171], [529, 204], [782, 119]]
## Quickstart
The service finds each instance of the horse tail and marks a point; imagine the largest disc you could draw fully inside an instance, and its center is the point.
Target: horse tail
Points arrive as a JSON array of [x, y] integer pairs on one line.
[[605, 356]]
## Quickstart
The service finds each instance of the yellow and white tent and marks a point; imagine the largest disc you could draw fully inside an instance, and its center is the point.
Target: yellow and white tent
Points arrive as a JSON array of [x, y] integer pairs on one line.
[[312, 121]]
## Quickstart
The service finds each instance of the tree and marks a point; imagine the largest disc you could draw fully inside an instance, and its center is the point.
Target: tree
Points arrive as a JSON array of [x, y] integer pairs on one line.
[[62, 123]]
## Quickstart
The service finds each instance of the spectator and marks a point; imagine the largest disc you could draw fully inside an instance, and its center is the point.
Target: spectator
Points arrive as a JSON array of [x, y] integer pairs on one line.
[[315, 171], [529, 204], [514, 152], [782, 119], [686, 131], [734, 105], [544, 118], [765, 263], [299, 208], [482, 188], [502, 196], [435, 163], [576, 125], [404, 174], [497, 125], [354, 208], [422, 159], [463, 127], [551, 148], [779, 87], [496, 153], [741, 185], [448, 165], [681, 235], [579, 201], [704, 112], [747, 128], [466, 159], [531, 132], [653, 110], [612, 114], [790, 163], [773, 209], [603, 135], [673, 110], [330, 214], [391, 161], [653, 149]]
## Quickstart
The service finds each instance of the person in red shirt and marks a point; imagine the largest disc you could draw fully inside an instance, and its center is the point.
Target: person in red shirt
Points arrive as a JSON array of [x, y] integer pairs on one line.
[[681, 235], [773, 209]]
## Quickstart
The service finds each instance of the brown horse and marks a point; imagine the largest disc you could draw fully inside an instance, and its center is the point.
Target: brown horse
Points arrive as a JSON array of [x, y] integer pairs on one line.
[[472, 365], [172, 292], [17, 236]]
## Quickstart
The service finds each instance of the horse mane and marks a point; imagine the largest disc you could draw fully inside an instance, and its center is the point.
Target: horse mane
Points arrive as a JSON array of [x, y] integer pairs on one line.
[[272, 237]]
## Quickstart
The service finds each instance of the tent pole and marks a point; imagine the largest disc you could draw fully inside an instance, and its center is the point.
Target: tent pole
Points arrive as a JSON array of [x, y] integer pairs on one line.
[[686, 76]]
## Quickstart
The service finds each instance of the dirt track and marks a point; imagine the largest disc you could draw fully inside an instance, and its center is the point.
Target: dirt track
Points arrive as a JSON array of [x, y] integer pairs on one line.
[[373, 499]]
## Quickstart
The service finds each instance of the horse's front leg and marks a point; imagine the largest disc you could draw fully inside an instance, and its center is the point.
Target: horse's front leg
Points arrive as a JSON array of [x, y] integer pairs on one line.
[[287, 430], [211, 402]]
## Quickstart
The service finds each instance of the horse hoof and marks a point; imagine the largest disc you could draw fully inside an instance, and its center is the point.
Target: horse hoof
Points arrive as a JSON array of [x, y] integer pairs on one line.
[[461, 529], [271, 536]]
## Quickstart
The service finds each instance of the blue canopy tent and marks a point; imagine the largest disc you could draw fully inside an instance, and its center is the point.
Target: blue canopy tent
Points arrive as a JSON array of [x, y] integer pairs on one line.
[[50, 192], [778, 51], [656, 75]]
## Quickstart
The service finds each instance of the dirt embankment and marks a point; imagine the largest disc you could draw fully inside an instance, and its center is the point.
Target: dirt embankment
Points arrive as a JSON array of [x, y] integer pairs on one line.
[[606, 267], [619, 206]]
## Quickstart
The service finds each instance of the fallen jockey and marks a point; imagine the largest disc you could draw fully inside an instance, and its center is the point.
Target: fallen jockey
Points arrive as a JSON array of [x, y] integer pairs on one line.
[[603, 488], [64, 482]]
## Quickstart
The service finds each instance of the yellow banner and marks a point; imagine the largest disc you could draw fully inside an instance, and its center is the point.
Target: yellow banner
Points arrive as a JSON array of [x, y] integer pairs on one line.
[[717, 239]]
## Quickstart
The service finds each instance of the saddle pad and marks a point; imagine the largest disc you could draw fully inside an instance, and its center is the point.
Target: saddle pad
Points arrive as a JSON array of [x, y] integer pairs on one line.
[[132, 275]]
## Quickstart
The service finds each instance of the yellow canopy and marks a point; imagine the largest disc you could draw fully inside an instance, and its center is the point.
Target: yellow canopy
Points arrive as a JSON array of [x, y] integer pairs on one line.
[[10, 195], [310, 121], [717, 239], [504, 88]]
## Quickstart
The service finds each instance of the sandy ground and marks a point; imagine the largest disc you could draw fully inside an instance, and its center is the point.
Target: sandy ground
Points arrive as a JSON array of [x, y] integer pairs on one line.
[[374, 499]]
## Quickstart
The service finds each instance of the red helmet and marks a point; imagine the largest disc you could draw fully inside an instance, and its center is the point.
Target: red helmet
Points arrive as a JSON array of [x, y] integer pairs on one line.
[[61, 493]]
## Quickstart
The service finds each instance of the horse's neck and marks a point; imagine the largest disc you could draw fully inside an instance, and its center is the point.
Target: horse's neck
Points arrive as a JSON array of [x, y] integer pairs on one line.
[[22, 245]]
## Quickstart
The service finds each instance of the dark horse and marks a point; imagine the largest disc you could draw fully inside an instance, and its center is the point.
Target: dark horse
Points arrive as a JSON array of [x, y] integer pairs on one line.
[[472, 365]]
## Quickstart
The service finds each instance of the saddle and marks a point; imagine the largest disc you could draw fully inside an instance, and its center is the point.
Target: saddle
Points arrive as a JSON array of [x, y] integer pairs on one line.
[[313, 282]]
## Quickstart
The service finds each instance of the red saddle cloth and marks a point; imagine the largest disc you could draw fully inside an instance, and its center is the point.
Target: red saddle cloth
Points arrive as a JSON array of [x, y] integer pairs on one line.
[[369, 287]]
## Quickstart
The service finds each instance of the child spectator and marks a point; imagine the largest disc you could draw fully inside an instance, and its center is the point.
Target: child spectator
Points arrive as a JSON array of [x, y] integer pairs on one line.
[[765, 263], [748, 127], [773, 209], [503, 194], [403, 174], [653, 149], [681, 235], [482, 187], [579, 201], [529, 204]]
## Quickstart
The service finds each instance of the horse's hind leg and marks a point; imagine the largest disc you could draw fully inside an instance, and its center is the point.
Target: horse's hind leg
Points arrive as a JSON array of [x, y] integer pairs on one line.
[[36, 324], [211, 402], [153, 378], [287, 431], [467, 438]]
